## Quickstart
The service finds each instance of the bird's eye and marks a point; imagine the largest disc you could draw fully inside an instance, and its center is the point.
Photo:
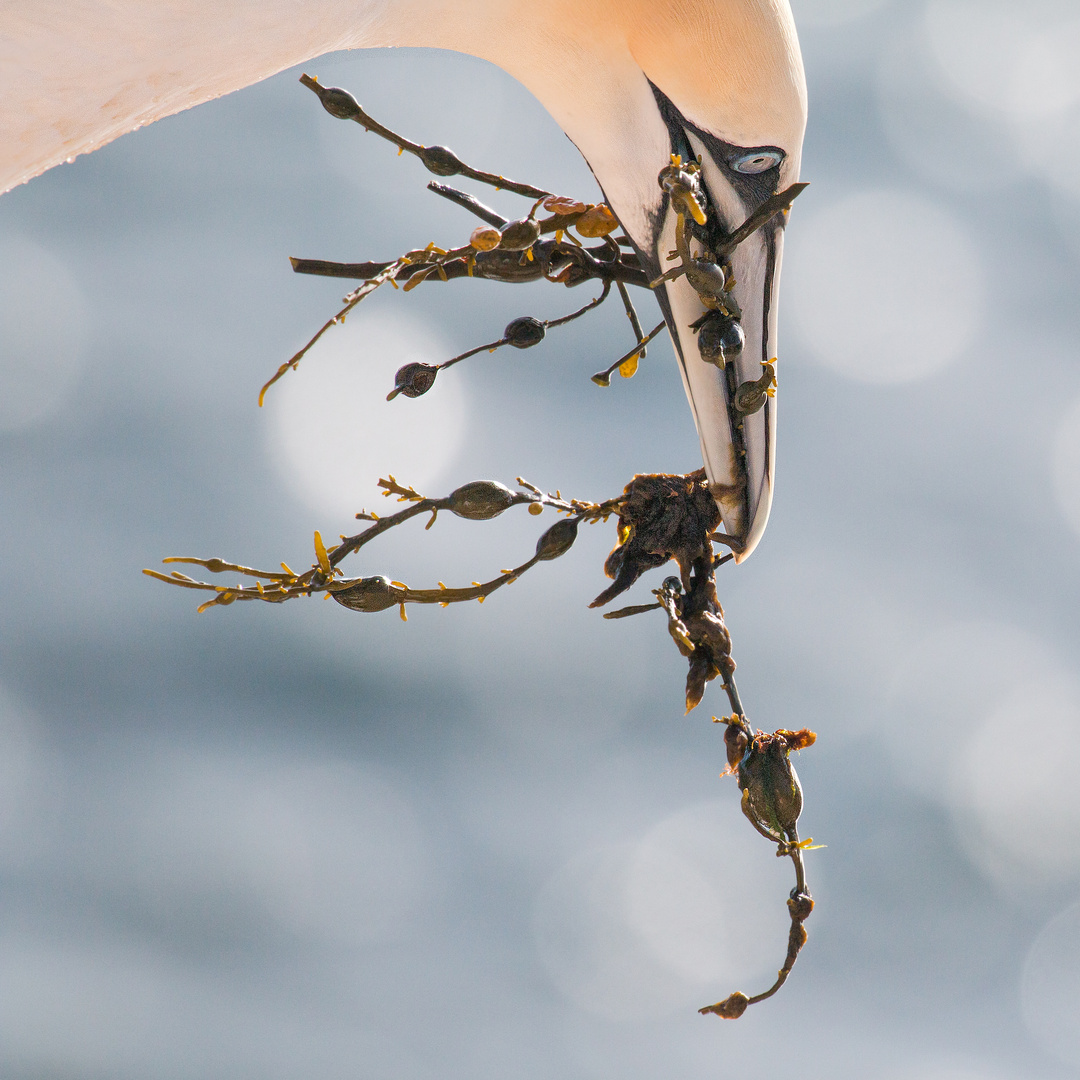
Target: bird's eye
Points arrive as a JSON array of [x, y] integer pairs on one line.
[[757, 161]]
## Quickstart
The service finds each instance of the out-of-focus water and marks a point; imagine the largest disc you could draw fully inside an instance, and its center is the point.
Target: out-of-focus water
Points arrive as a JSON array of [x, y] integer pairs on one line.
[[289, 842]]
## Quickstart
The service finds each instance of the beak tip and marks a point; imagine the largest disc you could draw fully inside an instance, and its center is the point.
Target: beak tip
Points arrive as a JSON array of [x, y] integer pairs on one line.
[[758, 523]]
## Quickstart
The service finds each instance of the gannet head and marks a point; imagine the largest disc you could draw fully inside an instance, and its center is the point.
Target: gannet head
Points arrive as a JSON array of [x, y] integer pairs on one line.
[[732, 96], [723, 313], [715, 82]]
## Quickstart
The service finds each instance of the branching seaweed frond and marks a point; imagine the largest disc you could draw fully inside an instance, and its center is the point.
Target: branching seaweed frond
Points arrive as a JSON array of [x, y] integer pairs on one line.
[[477, 501], [531, 248], [661, 517]]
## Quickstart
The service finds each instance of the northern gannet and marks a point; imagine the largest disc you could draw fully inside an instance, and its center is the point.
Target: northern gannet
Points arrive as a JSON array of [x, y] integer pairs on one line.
[[631, 82]]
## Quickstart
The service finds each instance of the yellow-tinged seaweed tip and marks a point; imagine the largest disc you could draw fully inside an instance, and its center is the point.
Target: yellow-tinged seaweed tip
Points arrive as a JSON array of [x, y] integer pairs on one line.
[[320, 554]]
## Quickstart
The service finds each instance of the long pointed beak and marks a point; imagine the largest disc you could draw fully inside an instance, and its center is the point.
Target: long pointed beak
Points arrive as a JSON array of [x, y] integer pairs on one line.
[[731, 389]]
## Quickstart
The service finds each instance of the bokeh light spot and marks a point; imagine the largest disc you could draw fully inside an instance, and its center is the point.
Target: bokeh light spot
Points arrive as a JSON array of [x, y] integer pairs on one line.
[[942, 136], [689, 876], [1016, 803], [950, 681], [1050, 987], [1014, 67], [884, 286], [691, 910], [1016, 59], [333, 433], [588, 949], [1005, 717]]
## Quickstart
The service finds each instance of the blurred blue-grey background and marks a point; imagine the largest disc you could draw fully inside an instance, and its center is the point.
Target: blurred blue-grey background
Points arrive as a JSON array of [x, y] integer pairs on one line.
[[293, 842]]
